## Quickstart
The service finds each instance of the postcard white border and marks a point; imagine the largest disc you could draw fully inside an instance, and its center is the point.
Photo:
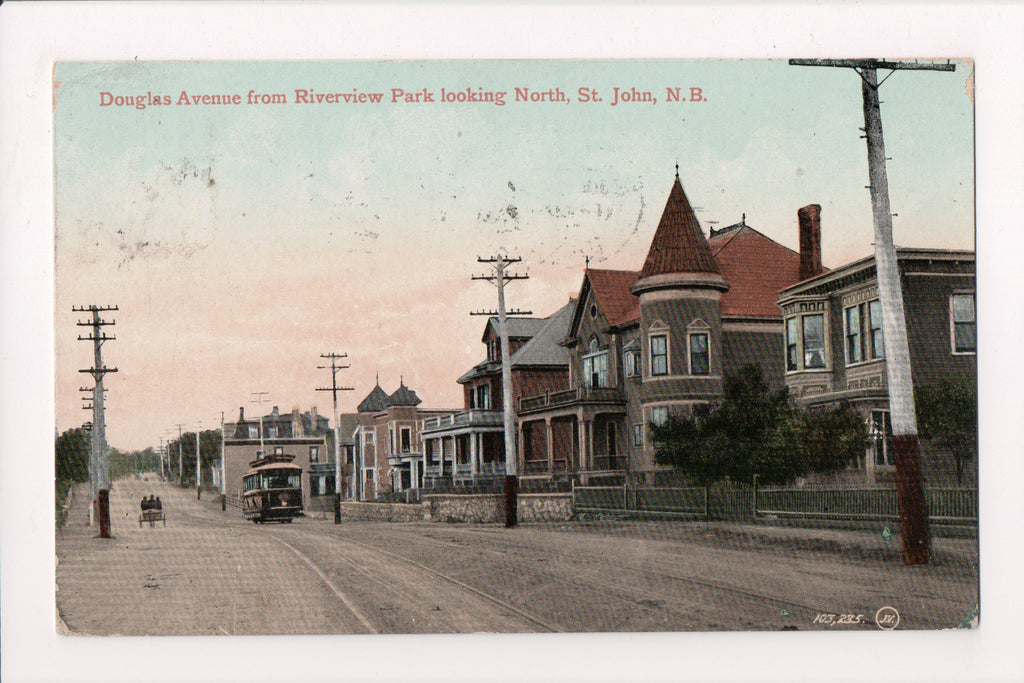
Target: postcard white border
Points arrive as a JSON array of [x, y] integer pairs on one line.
[[33, 36]]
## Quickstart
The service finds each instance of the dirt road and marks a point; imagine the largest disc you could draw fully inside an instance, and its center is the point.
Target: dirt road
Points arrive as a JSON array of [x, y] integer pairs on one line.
[[211, 572]]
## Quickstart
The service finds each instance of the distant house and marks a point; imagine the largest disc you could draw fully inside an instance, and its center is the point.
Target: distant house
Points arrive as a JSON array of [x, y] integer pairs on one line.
[[469, 446], [835, 350], [647, 344], [386, 441], [307, 436]]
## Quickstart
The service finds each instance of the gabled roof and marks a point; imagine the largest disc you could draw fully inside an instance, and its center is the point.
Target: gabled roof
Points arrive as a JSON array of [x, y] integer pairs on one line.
[[518, 328], [403, 396], [374, 402], [544, 348], [611, 290], [756, 268], [679, 245]]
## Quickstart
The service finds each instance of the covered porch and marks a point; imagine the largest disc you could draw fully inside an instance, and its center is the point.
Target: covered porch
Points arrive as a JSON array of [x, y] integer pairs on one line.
[[463, 448], [577, 435]]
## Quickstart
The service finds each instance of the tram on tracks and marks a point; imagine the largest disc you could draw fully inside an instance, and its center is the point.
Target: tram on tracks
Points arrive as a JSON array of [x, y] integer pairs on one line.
[[272, 490]]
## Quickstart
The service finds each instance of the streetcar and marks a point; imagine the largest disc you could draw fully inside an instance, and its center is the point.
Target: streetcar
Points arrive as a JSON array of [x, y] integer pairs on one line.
[[272, 490]]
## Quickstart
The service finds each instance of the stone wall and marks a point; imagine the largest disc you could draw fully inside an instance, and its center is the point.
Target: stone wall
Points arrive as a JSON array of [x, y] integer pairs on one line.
[[382, 512], [473, 509]]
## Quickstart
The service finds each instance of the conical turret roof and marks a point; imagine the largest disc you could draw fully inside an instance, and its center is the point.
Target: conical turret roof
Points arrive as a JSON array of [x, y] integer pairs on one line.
[[374, 402], [403, 396], [679, 245]]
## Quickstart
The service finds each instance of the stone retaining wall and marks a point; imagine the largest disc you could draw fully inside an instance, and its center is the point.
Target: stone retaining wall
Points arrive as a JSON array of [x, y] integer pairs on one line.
[[488, 508], [382, 512]]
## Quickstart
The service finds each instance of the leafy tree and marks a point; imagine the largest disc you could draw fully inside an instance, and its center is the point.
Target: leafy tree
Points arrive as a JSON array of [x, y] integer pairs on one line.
[[753, 430], [71, 462], [947, 416], [209, 446]]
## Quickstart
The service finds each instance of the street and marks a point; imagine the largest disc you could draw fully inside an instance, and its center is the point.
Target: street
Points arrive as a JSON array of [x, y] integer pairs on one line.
[[211, 572]]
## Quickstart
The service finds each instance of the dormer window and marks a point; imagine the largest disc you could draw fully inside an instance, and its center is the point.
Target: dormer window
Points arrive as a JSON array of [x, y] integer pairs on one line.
[[806, 333]]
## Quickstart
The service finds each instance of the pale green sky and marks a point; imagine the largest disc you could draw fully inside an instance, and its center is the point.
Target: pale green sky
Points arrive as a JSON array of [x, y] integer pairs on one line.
[[242, 241]]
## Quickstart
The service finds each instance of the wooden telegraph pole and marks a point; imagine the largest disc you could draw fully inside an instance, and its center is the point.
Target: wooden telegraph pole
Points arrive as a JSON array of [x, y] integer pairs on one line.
[[909, 486], [334, 389], [499, 279], [98, 457]]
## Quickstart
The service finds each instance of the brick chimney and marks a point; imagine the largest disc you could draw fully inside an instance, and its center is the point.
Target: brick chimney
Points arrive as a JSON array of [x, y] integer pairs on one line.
[[314, 421], [809, 218]]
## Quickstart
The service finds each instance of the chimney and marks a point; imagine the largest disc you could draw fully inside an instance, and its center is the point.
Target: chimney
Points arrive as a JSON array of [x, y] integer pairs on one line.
[[297, 423], [314, 421], [241, 414], [809, 218]]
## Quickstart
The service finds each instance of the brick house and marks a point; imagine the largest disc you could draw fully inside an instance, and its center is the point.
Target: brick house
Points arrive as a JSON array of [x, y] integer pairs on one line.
[[469, 446], [650, 343], [307, 436], [386, 441], [835, 351]]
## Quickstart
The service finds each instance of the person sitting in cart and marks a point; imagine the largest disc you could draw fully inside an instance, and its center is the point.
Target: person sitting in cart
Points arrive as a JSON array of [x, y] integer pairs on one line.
[[157, 504]]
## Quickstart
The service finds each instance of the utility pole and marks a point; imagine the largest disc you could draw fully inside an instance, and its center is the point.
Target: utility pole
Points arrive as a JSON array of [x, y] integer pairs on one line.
[[334, 389], [199, 470], [499, 279], [98, 459], [259, 401], [223, 471], [914, 532]]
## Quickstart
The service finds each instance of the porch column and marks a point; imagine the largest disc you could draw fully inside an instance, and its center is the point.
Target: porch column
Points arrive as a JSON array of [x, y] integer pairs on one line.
[[472, 453], [582, 455], [455, 455], [550, 440], [414, 470]]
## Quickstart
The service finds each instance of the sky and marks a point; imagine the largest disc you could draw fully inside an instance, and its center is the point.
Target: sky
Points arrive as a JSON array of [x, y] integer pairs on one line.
[[240, 241]]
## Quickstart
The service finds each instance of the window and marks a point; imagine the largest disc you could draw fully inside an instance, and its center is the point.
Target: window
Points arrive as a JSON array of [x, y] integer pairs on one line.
[[368, 439], [638, 435], [814, 341], [863, 330], [700, 358], [631, 362], [876, 340], [854, 349], [278, 450], [659, 415], [595, 366], [659, 354], [483, 397], [273, 431], [613, 439], [964, 321], [314, 453], [253, 432], [792, 346], [881, 438], [406, 439]]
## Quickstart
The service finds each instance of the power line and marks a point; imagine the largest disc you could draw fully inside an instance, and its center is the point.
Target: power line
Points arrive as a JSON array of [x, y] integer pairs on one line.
[[334, 389]]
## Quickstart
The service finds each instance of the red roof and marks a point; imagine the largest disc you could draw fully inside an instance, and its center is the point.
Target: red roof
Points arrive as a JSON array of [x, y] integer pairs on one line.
[[678, 245], [611, 290], [756, 268]]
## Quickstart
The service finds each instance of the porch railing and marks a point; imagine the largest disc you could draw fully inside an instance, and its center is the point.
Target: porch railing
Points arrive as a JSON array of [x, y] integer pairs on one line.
[[568, 397]]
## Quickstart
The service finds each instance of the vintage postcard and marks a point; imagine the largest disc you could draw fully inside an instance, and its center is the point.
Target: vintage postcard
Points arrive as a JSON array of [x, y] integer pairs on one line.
[[683, 366], [366, 348]]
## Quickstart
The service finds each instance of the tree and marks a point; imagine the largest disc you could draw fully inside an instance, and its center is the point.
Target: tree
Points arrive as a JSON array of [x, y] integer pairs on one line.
[[753, 430], [72, 450], [947, 416]]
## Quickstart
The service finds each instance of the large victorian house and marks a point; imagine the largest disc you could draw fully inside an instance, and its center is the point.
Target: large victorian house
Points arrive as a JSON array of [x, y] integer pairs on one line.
[[650, 343], [835, 350]]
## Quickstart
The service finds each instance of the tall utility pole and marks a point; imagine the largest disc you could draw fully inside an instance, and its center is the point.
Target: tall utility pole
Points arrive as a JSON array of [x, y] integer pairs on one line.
[[199, 470], [223, 471], [98, 458], [259, 401], [914, 531], [334, 389], [499, 278]]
